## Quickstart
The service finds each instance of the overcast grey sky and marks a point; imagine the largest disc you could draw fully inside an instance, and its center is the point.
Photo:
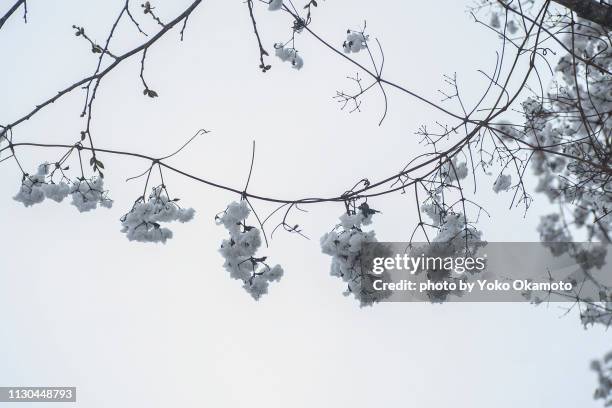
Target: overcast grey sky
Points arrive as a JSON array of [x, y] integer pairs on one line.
[[131, 324]]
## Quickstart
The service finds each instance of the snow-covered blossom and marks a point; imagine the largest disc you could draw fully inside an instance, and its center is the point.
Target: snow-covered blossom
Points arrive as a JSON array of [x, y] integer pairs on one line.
[[503, 183], [551, 123], [593, 257], [603, 369], [240, 249], [456, 238], [532, 107], [344, 244], [355, 41], [31, 191], [35, 188], [56, 192], [455, 171], [455, 230], [494, 22], [88, 193], [512, 27], [574, 150], [289, 55], [596, 313], [500, 16], [275, 5], [552, 230], [143, 222]]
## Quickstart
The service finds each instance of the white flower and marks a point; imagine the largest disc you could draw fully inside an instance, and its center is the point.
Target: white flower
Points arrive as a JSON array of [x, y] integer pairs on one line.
[[512, 27], [603, 368], [502, 183], [31, 191], [297, 62], [35, 188], [494, 20], [275, 5], [344, 244], [551, 230], [455, 230], [56, 192], [143, 221], [355, 41], [456, 171], [256, 286], [532, 107], [240, 249], [88, 193], [274, 274], [288, 55]]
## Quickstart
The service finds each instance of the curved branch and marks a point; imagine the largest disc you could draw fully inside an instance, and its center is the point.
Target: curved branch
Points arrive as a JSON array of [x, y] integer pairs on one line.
[[11, 11]]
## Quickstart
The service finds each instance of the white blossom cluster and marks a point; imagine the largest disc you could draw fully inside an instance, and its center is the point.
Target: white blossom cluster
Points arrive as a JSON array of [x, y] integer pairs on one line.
[[495, 22], [558, 127], [503, 183], [35, 188], [345, 245], [569, 121], [454, 171], [454, 230], [240, 249], [288, 55], [597, 313], [453, 227], [355, 41], [86, 193], [603, 369], [456, 237], [143, 222], [275, 5], [552, 230]]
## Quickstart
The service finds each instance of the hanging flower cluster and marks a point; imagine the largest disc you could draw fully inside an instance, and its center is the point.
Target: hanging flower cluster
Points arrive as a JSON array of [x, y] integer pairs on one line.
[[345, 245], [459, 237], [143, 222], [35, 188], [240, 249], [86, 193], [355, 41], [288, 55], [455, 238]]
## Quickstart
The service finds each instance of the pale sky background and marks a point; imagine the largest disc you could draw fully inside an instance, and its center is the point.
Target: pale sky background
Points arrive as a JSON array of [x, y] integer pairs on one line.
[[135, 325]]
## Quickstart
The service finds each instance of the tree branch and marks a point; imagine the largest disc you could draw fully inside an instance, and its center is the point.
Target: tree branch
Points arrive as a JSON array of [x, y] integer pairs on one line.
[[11, 11], [108, 69], [591, 10]]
